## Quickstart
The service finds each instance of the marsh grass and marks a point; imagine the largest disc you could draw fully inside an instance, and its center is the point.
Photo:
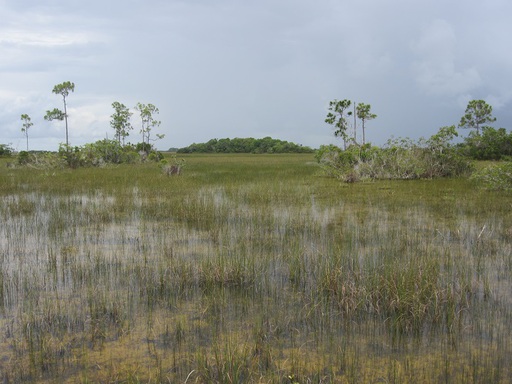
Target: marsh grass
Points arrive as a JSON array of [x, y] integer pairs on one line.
[[251, 268]]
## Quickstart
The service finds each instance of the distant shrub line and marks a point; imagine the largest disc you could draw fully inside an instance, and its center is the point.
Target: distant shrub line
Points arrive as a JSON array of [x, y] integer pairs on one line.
[[246, 145], [96, 154]]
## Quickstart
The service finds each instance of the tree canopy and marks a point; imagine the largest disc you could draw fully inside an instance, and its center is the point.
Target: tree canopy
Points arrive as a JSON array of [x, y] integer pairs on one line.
[[246, 145], [364, 114], [62, 89], [27, 123], [337, 117], [120, 121], [478, 113]]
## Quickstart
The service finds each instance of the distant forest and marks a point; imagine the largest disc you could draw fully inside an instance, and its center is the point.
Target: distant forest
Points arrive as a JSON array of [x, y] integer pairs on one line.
[[247, 145]]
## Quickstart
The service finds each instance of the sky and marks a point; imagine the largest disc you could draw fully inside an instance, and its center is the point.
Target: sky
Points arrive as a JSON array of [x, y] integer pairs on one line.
[[251, 68]]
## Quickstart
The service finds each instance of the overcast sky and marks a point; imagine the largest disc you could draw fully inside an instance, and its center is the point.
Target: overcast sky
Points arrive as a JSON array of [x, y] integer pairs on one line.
[[253, 68]]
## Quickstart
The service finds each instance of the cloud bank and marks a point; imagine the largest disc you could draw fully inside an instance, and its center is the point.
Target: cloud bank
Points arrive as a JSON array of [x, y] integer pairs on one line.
[[251, 69]]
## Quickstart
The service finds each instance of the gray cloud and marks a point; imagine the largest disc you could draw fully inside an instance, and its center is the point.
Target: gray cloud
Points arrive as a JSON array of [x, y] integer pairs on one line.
[[235, 69], [436, 68]]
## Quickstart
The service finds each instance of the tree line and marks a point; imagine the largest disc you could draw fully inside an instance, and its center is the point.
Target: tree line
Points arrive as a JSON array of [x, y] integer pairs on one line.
[[246, 145]]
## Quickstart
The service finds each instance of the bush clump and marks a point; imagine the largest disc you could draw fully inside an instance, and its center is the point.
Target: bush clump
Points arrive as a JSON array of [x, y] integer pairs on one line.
[[5, 150], [495, 177], [100, 153], [399, 159], [491, 144], [173, 166]]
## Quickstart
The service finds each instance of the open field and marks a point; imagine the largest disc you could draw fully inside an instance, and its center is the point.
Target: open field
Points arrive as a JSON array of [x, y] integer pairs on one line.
[[251, 269]]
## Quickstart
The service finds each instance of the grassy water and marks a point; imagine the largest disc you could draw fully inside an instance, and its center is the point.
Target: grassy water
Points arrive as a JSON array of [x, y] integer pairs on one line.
[[251, 269]]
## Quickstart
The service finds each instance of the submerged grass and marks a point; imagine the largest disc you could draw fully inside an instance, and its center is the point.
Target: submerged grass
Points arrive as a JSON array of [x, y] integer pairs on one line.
[[251, 268]]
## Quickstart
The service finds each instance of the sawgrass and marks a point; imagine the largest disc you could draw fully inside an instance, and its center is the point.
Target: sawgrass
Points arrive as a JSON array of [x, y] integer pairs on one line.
[[251, 268]]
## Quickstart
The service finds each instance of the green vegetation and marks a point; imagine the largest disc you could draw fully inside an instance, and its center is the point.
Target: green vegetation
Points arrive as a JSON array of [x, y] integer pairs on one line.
[[62, 89], [404, 158], [120, 121], [27, 123], [492, 144], [398, 159], [251, 269], [6, 150], [247, 145], [495, 176], [364, 114], [102, 152], [337, 116], [98, 154], [478, 112], [147, 114]]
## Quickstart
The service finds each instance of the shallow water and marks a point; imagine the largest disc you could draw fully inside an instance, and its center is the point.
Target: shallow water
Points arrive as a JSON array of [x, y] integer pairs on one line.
[[233, 286]]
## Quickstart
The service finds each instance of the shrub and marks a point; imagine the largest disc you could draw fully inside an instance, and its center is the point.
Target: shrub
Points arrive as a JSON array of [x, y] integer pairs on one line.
[[329, 159], [492, 144], [399, 159], [101, 152], [155, 156], [6, 150], [23, 157], [172, 167], [96, 154], [496, 177], [70, 155]]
